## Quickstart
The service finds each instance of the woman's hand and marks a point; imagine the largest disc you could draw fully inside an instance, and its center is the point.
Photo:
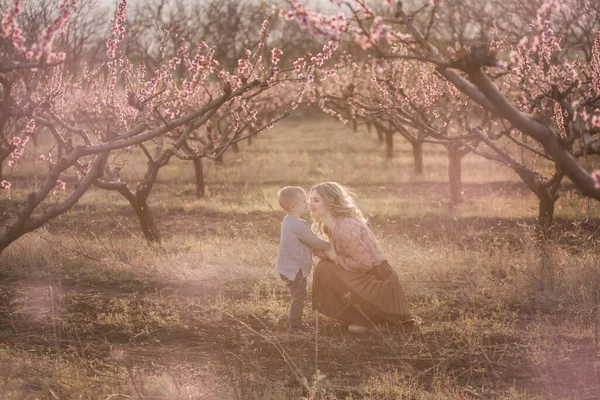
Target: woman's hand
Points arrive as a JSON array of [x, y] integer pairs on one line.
[[331, 254], [320, 253]]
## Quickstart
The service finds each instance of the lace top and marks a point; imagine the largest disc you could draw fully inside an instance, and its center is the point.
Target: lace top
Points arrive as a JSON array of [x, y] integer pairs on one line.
[[356, 247]]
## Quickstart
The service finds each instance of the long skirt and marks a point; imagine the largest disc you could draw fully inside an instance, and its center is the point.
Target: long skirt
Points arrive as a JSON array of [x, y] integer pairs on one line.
[[358, 297]]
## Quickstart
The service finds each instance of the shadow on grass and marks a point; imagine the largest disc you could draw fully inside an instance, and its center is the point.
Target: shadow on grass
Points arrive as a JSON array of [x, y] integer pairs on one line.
[[154, 325]]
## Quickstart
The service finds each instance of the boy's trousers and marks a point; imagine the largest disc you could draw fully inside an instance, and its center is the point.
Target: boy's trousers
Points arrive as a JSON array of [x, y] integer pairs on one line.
[[297, 290]]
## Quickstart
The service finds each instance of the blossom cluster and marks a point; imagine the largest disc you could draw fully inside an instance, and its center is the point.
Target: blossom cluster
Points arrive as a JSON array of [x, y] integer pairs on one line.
[[330, 27]]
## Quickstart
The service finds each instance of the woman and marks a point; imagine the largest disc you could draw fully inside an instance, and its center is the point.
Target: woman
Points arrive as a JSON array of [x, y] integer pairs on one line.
[[358, 287]]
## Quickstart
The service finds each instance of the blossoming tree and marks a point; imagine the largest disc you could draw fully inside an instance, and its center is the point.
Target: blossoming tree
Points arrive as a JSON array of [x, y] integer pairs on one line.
[[540, 90], [389, 95], [95, 121], [472, 69]]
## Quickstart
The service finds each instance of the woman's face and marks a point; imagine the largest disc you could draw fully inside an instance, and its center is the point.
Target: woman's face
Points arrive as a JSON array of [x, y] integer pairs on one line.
[[318, 208]]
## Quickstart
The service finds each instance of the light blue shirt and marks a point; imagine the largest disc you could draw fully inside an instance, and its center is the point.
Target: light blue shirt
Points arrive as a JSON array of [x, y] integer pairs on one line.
[[295, 247]]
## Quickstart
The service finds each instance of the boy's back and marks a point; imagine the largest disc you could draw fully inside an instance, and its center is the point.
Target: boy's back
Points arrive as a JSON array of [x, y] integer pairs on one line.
[[295, 248]]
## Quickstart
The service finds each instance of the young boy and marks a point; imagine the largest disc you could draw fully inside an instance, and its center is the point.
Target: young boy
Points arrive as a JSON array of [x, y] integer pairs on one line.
[[295, 252]]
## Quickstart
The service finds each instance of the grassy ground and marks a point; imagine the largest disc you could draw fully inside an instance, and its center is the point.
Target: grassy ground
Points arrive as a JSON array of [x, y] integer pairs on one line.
[[89, 310]]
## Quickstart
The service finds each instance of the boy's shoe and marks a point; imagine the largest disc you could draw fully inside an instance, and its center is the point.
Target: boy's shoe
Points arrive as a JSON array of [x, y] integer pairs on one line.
[[300, 329], [355, 328]]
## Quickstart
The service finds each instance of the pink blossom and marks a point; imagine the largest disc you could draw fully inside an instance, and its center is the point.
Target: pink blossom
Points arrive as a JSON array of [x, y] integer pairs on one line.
[[500, 64], [515, 58], [275, 53], [523, 41], [584, 115], [42, 157], [535, 41], [596, 120], [596, 178], [5, 185], [11, 163], [30, 126]]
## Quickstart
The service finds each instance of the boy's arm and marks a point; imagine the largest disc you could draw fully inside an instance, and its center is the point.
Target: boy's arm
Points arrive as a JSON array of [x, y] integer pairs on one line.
[[308, 238]]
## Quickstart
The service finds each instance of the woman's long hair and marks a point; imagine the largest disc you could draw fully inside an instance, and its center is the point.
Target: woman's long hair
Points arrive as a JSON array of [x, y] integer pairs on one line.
[[340, 201]]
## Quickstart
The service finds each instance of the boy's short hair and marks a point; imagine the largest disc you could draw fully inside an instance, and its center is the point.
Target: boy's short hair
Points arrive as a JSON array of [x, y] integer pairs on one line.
[[289, 195]]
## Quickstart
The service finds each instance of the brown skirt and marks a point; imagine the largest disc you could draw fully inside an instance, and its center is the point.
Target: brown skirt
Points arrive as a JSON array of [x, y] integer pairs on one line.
[[358, 297]]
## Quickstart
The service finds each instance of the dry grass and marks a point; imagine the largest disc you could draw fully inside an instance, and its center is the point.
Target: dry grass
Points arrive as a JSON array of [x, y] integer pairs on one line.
[[89, 310]]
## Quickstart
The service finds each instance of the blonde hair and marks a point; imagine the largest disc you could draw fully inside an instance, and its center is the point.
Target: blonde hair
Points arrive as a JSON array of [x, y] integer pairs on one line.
[[288, 195], [340, 201]]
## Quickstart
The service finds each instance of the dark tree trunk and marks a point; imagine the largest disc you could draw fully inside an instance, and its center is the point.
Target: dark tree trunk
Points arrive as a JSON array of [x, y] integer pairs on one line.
[[235, 147], [455, 175], [139, 201], [249, 141], [139, 204], [389, 144], [544, 231], [25, 221], [146, 220], [3, 156], [199, 170], [546, 217], [369, 127], [417, 149], [219, 160], [546, 193], [379, 135]]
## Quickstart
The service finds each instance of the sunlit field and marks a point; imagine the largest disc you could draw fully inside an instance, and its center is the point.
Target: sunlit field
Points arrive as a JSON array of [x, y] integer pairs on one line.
[[89, 309]]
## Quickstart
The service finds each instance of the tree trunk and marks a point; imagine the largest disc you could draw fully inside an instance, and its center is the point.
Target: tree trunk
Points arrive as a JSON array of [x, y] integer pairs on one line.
[[23, 220], [235, 147], [546, 217], [146, 220], [139, 201], [219, 160], [3, 156], [417, 149], [249, 141], [199, 178], [379, 135], [544, 230], [389, 144], [369, 125], [139, 204], [455, 175]]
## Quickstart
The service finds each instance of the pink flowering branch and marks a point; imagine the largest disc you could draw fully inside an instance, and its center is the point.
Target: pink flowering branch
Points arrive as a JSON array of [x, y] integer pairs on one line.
[[482, 90], [96, 119]]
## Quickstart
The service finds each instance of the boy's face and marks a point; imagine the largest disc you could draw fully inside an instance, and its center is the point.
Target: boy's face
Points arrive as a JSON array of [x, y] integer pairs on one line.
[[300, 205]]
